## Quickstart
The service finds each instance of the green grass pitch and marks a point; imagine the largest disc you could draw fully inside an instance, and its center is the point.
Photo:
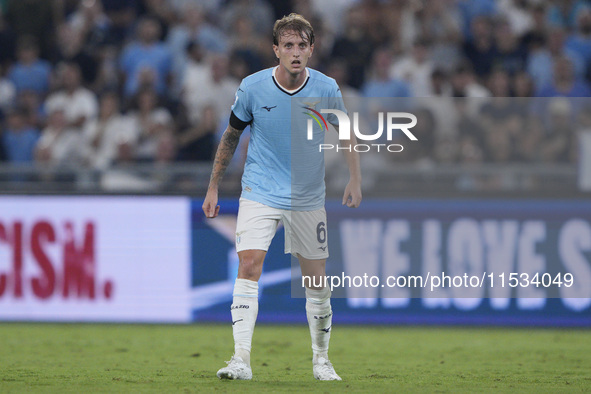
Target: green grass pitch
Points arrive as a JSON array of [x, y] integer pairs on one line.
[[162, 358]]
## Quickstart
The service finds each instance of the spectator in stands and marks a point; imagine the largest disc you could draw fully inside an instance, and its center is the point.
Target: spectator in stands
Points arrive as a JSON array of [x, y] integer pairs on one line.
[[378, 25], [539, 27], [528, 144], [473, 9], [210, 7], [30, 72], [469, 152], [103, 136], [149, 120], [196, 98], [146, 62], [564, 81], [353, 47], [416, 69], [19, 137], [107, 77], [162, 11], [510, 54], [239, 67], [564, 13], [338, 70], [7, 41], [441, 104], [464, 83], [558, 144], [499, 83], [423, 153], [580, 40], [78, 103], [250, 46], [198, 142], [381, 83], [91, 24], [479, 48], [258, 11], [332, 12], [32, 104], [471, 133], [439, 23], [443, 27], [166, 153], [523, 85], [166, 150], [502, 110], [193, 29], [194, 77], [440, 84], [59, 145], [544, 53], [501, 136], [72, 48], [122, 14], [503, 115], [33, 18]]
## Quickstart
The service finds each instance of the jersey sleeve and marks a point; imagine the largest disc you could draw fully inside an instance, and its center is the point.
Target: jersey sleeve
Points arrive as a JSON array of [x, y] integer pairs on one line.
[[335, 101], [241, 109]]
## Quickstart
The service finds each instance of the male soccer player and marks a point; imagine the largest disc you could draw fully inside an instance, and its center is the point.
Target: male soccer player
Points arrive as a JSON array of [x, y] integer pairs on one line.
[[269, 193]]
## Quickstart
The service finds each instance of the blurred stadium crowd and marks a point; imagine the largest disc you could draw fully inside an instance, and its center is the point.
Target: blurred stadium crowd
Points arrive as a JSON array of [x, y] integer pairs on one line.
[[93, 83]]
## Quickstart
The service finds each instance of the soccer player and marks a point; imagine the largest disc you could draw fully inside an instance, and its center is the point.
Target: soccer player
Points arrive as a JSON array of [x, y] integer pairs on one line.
[[264, 100]]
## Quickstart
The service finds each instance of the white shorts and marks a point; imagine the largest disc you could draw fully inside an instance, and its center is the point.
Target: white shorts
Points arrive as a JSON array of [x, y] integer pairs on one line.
[[305, 231]]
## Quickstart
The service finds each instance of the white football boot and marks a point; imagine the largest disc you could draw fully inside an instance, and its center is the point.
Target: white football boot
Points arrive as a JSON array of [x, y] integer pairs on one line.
[[323, 370], [236, 370]]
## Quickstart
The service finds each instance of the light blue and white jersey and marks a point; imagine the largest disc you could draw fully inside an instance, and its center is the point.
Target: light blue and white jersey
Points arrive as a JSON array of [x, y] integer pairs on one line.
[[283, 168]]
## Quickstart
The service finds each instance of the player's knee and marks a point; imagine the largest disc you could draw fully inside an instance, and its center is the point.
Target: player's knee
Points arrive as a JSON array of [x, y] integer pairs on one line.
[[250, 267]]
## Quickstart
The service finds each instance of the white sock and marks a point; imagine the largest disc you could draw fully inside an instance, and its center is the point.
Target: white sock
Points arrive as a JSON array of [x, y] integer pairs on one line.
[[319, 315], [245, 307]]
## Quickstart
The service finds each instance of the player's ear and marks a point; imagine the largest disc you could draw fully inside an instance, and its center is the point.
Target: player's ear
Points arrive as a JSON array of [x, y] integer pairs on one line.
[[276, 50], [311, 49]]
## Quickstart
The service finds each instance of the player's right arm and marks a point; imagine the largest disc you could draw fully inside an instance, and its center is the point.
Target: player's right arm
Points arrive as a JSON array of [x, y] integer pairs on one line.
[[223, 156], [240, 117]]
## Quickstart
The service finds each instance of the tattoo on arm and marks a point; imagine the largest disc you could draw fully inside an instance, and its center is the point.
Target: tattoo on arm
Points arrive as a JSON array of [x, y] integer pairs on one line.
[[224, 154]]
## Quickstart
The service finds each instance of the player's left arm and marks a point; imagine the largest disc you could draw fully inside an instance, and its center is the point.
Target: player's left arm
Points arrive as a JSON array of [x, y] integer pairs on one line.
[[352, 195]]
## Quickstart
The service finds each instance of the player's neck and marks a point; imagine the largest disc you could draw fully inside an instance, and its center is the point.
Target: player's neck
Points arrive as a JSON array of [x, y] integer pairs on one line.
[[289, 81]]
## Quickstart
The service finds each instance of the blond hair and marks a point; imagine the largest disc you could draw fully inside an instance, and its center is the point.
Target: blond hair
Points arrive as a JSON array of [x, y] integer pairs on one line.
[[295, 23]]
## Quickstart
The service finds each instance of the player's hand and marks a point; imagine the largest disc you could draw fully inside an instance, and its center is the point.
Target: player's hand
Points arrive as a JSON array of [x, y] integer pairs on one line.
[[352, 196], [210, 207]]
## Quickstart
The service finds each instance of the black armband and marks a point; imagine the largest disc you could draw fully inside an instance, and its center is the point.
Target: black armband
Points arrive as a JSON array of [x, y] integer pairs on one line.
[[236, 123]]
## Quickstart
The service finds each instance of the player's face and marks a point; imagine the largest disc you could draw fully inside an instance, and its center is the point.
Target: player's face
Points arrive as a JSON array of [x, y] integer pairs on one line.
[[293, 52]]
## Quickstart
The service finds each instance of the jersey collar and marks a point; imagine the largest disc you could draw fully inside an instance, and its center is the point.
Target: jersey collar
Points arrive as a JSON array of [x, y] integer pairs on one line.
[[294, 91]]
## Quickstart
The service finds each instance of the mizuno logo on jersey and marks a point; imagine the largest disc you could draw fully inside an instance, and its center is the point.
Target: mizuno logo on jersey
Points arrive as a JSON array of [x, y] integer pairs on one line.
[[268, 108], [323, 248]]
